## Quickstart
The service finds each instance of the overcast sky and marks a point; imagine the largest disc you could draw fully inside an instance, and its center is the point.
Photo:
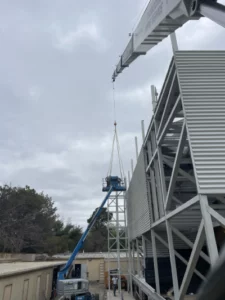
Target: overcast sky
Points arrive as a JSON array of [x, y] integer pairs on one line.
[[56, 62]]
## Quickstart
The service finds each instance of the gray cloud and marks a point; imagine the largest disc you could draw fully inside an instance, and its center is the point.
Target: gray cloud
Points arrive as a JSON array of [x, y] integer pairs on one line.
[[57, 118]]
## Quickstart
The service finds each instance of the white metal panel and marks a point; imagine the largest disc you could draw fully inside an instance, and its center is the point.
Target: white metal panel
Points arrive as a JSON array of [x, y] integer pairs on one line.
[[137, 203], [202, 82]]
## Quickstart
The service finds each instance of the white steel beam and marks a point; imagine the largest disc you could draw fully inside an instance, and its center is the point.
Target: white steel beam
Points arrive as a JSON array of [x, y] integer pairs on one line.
[[198, 244], [173, 39], [214, 11], [159, 171], [189, 243], [152, 160], [172, 261], [143, 130], [179, 256], [153, 187], [180, 171], [209, 232], [176, 211], [177, 200], [154, 100], [168, 102], [138, 258], [216, 216], [132, 166], [176, 166], [162, 178], [136, 147], [129, 177], [170, 119], [155, 260]]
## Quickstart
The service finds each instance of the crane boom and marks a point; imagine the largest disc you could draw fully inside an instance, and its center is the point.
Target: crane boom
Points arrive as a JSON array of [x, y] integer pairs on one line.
[[160, 19]]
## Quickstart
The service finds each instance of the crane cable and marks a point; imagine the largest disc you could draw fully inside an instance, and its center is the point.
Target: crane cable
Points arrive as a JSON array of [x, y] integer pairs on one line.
[[115, 140]]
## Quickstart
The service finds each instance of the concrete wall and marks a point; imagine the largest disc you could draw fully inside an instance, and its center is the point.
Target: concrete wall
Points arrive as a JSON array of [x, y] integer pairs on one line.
[[28, 286], [93, 267]]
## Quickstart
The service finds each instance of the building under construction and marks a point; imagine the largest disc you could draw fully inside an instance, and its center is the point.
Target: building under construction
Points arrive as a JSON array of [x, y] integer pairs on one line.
[[176, 195]]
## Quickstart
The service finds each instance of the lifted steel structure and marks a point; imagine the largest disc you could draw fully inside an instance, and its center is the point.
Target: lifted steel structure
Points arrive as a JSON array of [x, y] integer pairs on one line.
[[184, 158], [181, 165]]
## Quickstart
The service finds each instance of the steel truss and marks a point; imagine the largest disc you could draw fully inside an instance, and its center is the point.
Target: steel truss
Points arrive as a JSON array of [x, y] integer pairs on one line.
[[182, 215], [118, 248]]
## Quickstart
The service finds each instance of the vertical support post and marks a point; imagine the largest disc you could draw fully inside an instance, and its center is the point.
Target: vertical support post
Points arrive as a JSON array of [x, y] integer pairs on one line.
[[155, 260], [172, 261], [160, 180], [159, 169], [108, 215], [130, 271], [129, 177], [144, 252], [143, 130], [133, 250], [173, 40], [153, 186], [118, 242], [209, 231], [153, 97], [138, 258], [132, 166], [136, 147]]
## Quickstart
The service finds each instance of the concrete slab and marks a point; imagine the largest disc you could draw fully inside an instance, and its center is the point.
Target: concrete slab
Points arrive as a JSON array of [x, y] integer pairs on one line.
[[123, 296]]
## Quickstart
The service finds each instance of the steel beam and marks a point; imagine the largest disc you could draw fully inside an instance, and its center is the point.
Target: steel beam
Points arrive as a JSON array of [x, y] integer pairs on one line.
[[155, 260], [164, 117], [179, 256], [138, 258], [176, 166], [136, 147], [176, 211], [189, 243], [169, 121], [129, 177], [143, 130], [152, 160], [214, 11], [209, 232], [198, 244], [153, 186], [180, 171], [172, 261], [173, 39], [216, 216], [132, 167]]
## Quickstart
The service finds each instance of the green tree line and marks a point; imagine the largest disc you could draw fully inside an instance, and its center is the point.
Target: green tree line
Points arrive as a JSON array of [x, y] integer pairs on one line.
[[29, 223]]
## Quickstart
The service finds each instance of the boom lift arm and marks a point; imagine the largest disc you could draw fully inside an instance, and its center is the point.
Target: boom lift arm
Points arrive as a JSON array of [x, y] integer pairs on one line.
[[114, 183], [160, 19]]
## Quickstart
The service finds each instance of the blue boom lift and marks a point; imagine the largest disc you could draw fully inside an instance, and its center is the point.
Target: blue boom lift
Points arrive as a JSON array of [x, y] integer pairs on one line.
[[73, 288]]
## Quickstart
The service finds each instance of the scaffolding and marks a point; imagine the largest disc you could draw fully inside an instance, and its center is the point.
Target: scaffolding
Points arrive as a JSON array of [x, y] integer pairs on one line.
[[118, 249]]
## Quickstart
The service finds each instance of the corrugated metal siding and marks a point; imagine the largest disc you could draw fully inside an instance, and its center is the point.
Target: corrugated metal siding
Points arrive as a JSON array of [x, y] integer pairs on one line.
[[162, 251], [137, 201], [201, 77]]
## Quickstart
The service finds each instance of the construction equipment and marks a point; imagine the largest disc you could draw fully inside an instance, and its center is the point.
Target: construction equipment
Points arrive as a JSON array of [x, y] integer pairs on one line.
[[78, 288], [160, 19]]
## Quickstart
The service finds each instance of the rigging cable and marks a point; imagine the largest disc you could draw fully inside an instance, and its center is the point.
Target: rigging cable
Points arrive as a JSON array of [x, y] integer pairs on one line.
[[115, 140]]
